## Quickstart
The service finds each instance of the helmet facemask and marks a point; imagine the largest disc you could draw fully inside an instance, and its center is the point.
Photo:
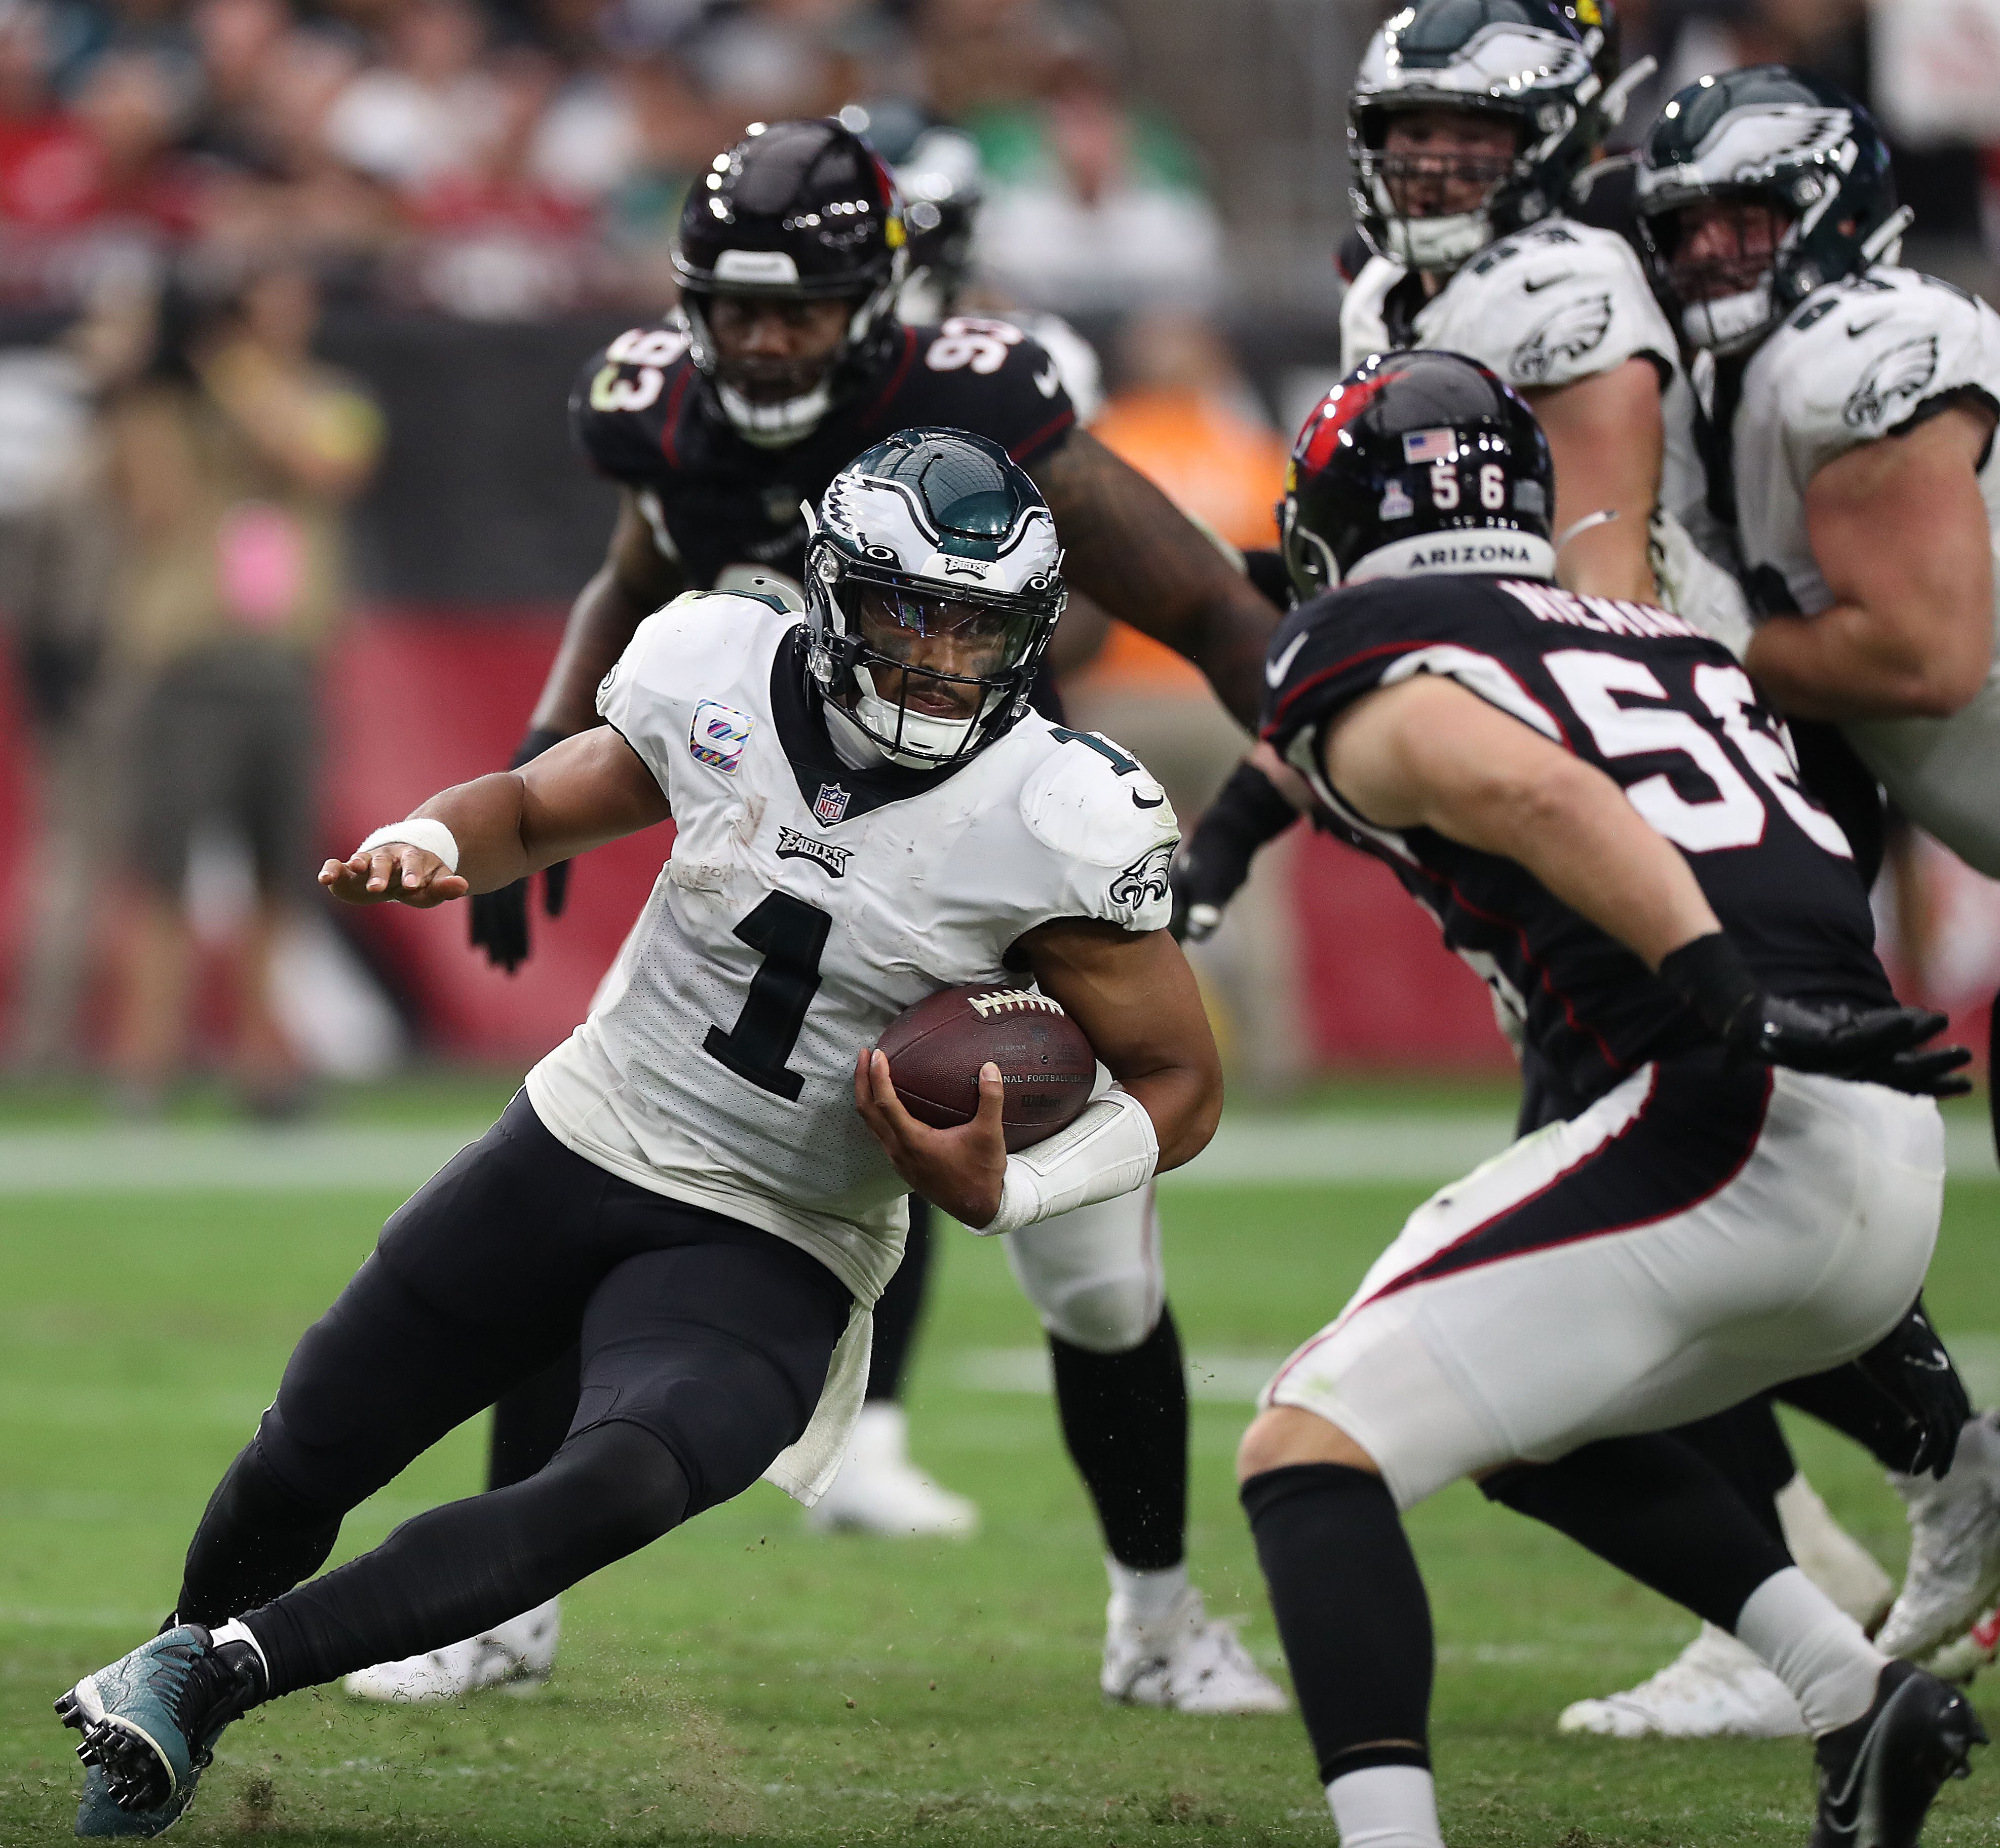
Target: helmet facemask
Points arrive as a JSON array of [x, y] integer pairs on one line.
[[924, 673], [773, 403], [1434, 204]]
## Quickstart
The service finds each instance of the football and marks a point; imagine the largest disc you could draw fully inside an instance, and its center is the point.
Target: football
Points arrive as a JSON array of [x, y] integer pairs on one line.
[[935, 1050]]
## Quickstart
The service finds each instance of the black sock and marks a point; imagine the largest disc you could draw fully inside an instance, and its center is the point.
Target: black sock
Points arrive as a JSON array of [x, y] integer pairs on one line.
[[1749, 1450], [899, 1307], [1659, 1511], [1352, 1613], [257, 1538], [530, 1421], [1125, 1419], [462, 1569]]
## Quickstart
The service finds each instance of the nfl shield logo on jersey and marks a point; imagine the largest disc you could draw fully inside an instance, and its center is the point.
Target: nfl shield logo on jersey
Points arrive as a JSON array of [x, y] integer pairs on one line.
[[830, 805], [718, 734]]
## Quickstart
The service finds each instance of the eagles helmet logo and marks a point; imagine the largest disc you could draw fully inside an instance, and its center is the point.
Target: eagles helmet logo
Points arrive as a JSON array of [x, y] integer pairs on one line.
[[1902, 372], [1574, 329]]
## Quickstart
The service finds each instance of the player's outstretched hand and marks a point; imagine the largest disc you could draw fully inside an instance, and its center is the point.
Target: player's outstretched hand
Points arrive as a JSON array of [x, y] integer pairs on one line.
[[960, 1170], [1877, 1046], [1882, 1046], [395, 872]]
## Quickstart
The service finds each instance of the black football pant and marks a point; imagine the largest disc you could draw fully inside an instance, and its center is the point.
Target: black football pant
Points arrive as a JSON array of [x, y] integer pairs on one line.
[[703, 1346]]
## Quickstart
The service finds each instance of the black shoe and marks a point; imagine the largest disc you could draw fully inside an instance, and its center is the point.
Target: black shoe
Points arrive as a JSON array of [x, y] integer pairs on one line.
[[1879, 1775]]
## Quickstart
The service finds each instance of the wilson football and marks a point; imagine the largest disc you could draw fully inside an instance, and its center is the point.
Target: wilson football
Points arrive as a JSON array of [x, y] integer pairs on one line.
[[936, 1049]]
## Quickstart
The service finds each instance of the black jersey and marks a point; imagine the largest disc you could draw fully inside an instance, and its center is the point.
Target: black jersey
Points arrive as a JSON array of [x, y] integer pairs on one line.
[[1670, 717], [639, 412]]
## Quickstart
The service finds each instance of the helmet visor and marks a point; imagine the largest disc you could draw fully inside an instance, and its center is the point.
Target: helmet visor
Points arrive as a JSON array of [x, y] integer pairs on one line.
[[937, 655]]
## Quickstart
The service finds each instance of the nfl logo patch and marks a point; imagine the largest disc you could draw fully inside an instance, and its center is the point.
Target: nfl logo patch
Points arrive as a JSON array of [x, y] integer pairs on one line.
[[718, 734], [830, 805]]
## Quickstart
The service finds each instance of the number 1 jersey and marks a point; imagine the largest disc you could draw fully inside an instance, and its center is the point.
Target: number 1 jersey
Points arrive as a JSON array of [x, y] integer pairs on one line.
[[1668, 715], [805, 905]]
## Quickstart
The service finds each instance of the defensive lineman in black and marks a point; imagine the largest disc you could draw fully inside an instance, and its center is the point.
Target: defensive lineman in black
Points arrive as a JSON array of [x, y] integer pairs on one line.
[[1607, 822], [785, 360]]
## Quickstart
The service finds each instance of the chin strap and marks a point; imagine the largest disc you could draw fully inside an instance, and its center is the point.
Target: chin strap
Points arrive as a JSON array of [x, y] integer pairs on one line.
[[1618, 92], [1883, 242], [1602, 517]]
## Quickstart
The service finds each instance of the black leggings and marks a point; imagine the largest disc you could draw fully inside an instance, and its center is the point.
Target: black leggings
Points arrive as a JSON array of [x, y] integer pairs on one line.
[[703, 1347]]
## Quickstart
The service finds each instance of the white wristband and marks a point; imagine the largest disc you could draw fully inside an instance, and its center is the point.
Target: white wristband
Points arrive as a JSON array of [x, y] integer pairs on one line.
[[1110, 1150], [432, 836]]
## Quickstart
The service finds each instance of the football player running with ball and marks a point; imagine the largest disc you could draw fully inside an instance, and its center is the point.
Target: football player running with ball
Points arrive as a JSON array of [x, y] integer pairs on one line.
[[785, 361], [703, 1186], [1592, 799], [1853, 404]]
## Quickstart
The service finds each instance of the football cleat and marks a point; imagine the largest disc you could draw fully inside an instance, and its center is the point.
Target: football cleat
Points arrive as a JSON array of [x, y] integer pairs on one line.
[[1878, 1776], [1187, 1660], [880, 1491], [1954, 1572], [1715, 1688], [1961, 1662], [517, 1655], [149, 1722]]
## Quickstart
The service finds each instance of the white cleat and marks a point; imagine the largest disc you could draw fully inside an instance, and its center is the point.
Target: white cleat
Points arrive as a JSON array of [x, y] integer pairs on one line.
[[1961, 1662], [880, 1491], [1714, 1688], [1187, 1660], [1954, 1572], [517, 1655]]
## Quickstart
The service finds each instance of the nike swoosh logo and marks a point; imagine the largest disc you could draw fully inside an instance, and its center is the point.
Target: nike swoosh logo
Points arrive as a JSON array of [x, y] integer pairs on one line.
[[1047, 382], [1280, 665], [1537, 284], [1867, 327], [1138, 801]]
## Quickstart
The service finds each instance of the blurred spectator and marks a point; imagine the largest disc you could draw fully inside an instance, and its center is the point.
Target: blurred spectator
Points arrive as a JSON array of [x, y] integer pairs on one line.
[[429, 110], [1091, 206], [230, 461], [56, 558], [1185, 416]]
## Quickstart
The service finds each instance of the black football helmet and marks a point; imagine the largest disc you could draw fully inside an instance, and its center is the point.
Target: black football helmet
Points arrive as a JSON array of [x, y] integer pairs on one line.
[[943, 186], [932, 567], [1521, 61], [1778, 137], [799, 211], [1417, 462]]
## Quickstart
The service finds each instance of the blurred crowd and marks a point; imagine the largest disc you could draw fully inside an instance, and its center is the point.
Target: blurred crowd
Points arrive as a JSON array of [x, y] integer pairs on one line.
[[509, 159]]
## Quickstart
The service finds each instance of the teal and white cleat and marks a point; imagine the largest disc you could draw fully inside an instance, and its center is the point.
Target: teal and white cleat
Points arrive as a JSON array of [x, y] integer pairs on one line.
[[149, 1722]]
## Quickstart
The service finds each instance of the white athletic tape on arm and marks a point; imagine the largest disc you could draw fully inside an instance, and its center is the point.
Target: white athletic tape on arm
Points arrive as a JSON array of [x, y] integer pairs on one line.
[[432, 836], [1110, 1150]]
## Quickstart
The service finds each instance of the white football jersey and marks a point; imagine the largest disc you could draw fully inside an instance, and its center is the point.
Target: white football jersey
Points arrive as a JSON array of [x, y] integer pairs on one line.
[[806, 904], [1544, 307], [1859, 360]]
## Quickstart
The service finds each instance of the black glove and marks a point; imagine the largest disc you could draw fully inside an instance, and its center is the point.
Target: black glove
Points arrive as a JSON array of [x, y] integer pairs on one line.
[[1877, 1046], [1214, 860], [499, 923], [1910, 1365]]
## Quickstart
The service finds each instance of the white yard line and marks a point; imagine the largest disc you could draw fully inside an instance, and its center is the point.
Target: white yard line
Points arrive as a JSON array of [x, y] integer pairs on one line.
[[1410, 1150]]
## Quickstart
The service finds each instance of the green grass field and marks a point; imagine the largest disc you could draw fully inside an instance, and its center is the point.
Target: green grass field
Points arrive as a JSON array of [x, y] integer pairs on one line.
[[744, 1680]]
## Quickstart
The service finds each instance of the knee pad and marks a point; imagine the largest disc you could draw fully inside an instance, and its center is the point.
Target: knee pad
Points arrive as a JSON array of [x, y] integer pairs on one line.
[[1094, 1275], [632, 1485]]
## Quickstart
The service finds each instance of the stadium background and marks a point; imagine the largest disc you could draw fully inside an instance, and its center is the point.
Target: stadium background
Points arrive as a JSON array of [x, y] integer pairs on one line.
[[155, 1274]]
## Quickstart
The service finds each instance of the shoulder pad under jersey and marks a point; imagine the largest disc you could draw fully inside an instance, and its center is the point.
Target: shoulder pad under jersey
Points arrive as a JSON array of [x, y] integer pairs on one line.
[[1556, 303], [1095, 804], [1863, 358]]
